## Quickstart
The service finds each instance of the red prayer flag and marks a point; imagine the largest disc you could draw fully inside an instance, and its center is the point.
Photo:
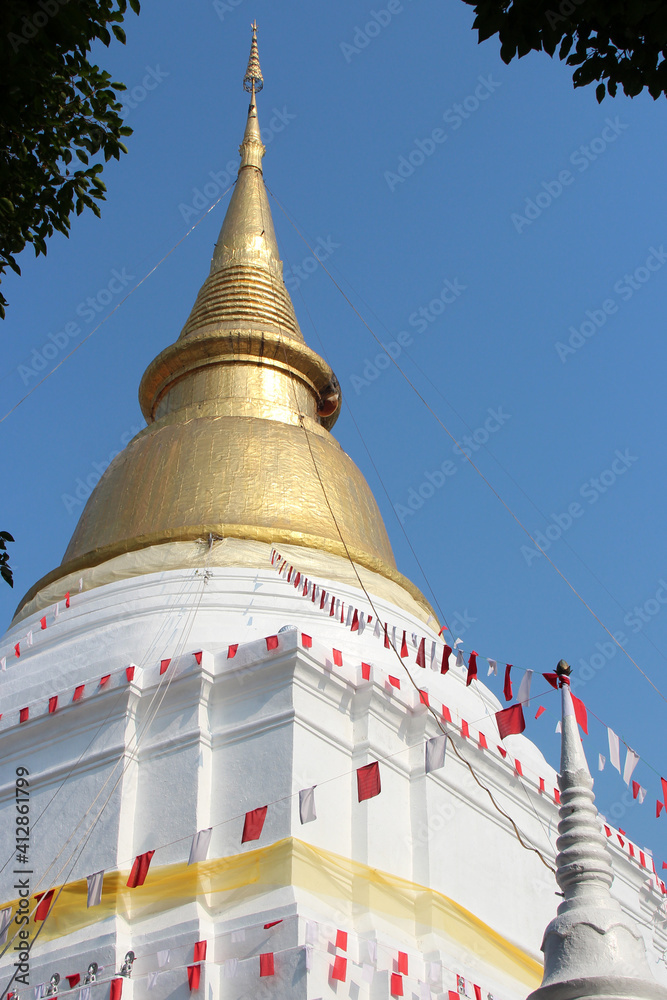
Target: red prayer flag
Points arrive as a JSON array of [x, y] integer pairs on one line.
[[518, 768], [542, 788], [557, 796], [333, 606], [271, 642], [231, 651], [635, 789], [67, 599], [338, 657], [366, 671], [394, 681], [53, 704], [105, 680], [478, 991], [368, 781], [423, 698], [541, 710], [199, 952], [289, 574], [472, 668], [339, 968], [453, 995], [140, 868], [45, 900], [663, 781], [354, 627], [552, 679], [273, 923], [129, 673], [164, 664], [446, 653], [306, 641], [78, 692], [421, 653], [17, 649], [580, 713], [266, 966], [465, 731], [253, 824], [387, 644], [322, 600], [483, 745], [341, 940], [342, 612], [116, 988], [297, 579], [402, 962], [24, 715], [510, 721], [73, 980], [198, 657], [404, 645], [42, 621], [396, 985], [503, 751], [507, 687], [446, 714], [194, 976], [658, 808]]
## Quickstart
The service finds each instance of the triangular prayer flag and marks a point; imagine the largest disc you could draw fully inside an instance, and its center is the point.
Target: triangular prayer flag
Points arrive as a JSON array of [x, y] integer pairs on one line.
[[559, 727], [631, 761], [446, 715], [446, 653], [339, 968], [552, 679], [341, 940], [53, 704], [481, 743], [140, 869], [507, 687], [163, 665], [45, 900], [638, 792], [42, 622], [17, 649], [273, 923], [658, 808], [580, 713], [28, 639], [94, 883], [307, 811], [460, 662], [541, 710], [194, 976], [493, 667], [232, 650], [394, 681], [387, 644], [518, 768], [472, 668], [510, 721], [306, 641], [105, 680], [355, 621], [601, 762], [368, 781], [73, 979], [435, 753], [542, 788], [271, 642], [200, 845], [502, 751], [198, 657], [199, 954], [663, 782], [78, 692], [614, 749], [404, 645], [3, 663], [163, 957], [423, 698], [253, 824], [67, 599], [129, 673]]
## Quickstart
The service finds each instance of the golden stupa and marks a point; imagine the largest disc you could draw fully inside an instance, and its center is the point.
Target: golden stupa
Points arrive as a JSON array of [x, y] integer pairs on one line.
[[238, 442]]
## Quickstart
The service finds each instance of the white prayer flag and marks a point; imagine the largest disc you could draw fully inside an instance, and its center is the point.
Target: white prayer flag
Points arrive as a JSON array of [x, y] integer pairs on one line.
[[362, 621], [5, 921], [350, 615], [457, 642], [200, 845], [493, 667], [95, 888], [84, 993], [523, 695], [377, 631], [307, 811], [614, 749], [39, 991], [56, 611], [424, 991], [434, 663], [312, 932], [393, 636], [28, 639], [415, 641], [460, 662], [163, 957], [372, 949], [631, 761], [230, 968], [152, 979], [559, 728], [3, 663], [80, 584], [435, 971], [309, 958], [602, 760], [367, 973], [641, 795], [435, 753]]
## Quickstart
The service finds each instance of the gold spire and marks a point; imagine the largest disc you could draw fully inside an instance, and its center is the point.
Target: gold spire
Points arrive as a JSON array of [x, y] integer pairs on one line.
[[238, 412]]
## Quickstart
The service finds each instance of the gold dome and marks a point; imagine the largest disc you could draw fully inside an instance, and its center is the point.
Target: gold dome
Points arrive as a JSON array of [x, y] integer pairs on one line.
[[238, 411]]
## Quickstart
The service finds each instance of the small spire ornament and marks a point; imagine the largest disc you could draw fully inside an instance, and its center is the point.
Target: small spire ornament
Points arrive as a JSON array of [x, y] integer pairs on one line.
[[253, 81]]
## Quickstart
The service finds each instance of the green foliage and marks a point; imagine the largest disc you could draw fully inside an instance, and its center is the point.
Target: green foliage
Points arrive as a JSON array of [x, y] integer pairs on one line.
[[616, 42], [5, 568], [61, 118]]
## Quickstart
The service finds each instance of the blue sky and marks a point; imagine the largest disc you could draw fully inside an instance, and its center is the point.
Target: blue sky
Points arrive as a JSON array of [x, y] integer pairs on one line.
[[499, 231]]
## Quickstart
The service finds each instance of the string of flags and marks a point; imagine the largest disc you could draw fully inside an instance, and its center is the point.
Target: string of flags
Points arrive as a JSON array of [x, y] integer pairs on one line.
[[27, 639], [438, 657]]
